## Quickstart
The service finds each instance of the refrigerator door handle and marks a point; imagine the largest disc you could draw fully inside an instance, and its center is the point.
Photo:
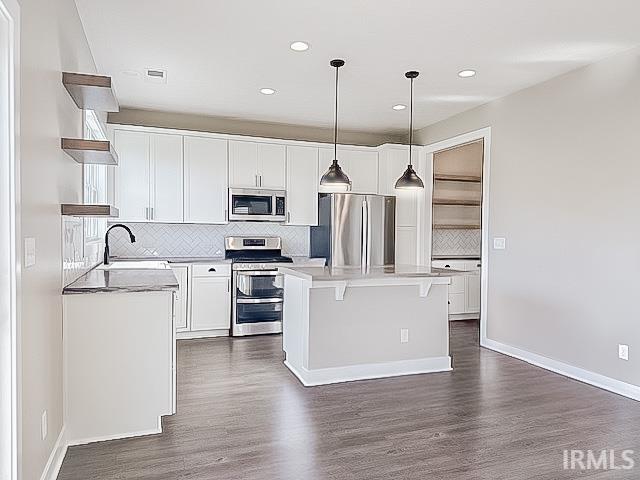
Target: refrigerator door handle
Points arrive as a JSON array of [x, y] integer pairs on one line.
[[364, 247], [368, 234]]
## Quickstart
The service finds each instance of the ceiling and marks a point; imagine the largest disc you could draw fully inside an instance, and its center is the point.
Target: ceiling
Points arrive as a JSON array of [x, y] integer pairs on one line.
[[218, 54]]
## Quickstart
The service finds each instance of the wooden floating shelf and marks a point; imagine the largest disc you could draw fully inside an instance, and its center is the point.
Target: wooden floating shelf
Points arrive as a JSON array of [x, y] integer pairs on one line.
[[99, 152], [456, 227], [456, 203], [441, 177], [89, 210], [91, 92]]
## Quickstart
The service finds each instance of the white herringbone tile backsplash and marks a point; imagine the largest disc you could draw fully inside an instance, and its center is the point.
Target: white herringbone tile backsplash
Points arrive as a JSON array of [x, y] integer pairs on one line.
[[456, 242], [194, 240]]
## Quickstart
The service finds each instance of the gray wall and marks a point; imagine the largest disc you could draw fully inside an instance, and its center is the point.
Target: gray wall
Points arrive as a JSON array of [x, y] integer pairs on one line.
[[52, 41], [202, 123], [565, 191]]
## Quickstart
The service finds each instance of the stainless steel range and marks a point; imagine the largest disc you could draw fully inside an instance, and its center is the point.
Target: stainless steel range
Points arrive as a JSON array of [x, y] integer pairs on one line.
[[257, 287]]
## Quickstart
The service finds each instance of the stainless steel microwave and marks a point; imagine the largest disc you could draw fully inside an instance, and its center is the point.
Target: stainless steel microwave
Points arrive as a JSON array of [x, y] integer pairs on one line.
[[257, 204]]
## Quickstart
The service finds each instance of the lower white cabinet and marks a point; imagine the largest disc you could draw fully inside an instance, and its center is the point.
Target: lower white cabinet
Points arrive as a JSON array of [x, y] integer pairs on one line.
[[203, 307], [464, 290], [210, 303], [180, 309]]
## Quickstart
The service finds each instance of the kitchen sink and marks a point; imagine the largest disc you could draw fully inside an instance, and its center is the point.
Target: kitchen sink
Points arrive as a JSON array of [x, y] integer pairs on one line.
[[141, 265]]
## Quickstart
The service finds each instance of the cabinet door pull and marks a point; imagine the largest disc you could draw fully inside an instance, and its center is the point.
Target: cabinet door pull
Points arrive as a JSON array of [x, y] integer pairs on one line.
[[447, 266], [212, 269]]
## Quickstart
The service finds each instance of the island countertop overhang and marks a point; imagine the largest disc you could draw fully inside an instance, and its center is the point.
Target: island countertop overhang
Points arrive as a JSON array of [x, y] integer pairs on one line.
[[372, 274]]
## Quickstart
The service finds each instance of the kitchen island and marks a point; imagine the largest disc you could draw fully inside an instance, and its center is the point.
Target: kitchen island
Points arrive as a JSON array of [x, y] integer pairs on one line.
[[119, 353], [346, 324]]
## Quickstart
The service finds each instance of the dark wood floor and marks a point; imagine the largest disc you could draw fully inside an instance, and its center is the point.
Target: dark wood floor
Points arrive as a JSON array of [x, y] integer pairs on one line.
[[243, 416]]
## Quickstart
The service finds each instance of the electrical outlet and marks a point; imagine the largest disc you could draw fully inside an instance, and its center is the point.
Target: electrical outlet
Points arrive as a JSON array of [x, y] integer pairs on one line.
[[404, 335], [623, 352], [44, 425], [499, 243]]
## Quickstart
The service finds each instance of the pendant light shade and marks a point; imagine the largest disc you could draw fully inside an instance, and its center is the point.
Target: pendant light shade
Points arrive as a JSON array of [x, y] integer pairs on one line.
[[335, 177], [410, 179]]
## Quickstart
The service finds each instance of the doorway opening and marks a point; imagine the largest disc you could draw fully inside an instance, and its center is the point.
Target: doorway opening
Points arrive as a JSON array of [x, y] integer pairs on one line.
[[459, 223], [9, 36]]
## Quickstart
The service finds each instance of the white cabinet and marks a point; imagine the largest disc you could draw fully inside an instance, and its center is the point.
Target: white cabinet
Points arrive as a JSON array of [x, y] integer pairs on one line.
[[472, 290], [149, 176], [210, 298], [255, 164], [406, 246], [464, 290], [361, 166], [210, 303], [302, 185], [180, 305], [393, 163], [166, 182], [205, 180], [133, 175], [272, 165]]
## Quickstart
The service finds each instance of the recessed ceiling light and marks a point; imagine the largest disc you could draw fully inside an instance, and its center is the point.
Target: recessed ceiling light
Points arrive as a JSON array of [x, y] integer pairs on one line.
[[299, 46], [267, 91], [399, 107], [466, 73]]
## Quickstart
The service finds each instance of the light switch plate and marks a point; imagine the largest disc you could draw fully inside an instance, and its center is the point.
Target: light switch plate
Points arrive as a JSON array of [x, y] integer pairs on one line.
[[29, 251], [499, 243], [404, 335], [623, 352]]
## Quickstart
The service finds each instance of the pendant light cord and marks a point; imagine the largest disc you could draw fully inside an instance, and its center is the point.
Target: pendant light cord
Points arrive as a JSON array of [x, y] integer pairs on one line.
[[335, 124], [411, 124]]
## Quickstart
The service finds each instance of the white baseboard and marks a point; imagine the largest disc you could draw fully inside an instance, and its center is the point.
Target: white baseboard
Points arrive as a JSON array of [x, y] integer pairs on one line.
[[52, 468], [202, 334], [324, 376], [580, 374], [142, 433]]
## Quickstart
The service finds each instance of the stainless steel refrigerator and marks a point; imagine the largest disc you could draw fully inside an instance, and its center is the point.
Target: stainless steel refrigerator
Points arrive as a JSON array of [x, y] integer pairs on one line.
[[355, 230]]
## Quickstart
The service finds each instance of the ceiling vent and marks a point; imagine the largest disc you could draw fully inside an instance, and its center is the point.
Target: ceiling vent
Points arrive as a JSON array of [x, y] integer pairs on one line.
[[155, 75]]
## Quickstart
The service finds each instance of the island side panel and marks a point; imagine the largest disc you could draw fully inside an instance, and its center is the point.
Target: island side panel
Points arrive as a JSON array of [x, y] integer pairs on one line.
[[119, 354], [295, 322], [364, 327]]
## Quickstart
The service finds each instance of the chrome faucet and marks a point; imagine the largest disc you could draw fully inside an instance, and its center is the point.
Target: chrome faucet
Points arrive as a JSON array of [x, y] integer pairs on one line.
[[132, 237]]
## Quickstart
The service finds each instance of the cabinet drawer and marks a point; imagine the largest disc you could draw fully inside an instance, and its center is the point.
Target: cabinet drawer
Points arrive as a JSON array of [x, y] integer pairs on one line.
[[211, 270], [456, 302]]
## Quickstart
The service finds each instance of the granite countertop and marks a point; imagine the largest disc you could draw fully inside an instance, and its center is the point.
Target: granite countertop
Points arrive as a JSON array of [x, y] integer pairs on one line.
[[134, 280], [326, 274], [171, 259], [297, 260]]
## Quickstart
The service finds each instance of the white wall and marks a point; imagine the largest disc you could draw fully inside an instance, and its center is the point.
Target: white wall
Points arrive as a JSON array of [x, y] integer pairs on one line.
[[565, 191], [52, 41]]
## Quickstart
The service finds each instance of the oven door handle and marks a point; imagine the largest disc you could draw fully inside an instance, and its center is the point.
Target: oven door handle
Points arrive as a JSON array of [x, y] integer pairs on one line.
[[259, 273], [259, 300]]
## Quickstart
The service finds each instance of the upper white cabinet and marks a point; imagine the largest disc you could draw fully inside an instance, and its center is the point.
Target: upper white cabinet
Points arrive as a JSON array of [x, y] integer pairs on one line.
[[302, 185], [393, 163], [361, 166], [133, 175], [205, 180], [167, 182], [149, 176], [255, 164]]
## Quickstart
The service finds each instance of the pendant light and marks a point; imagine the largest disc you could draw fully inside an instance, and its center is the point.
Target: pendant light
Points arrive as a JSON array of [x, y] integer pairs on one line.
[[410, 179], [335, 177]]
